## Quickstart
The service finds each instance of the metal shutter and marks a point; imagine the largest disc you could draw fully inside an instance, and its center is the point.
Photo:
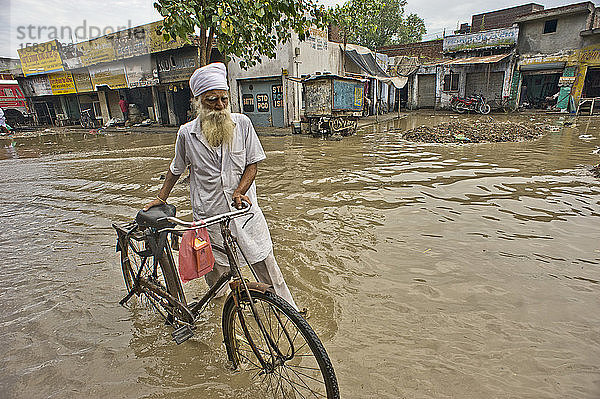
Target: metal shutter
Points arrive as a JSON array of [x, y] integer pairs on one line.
[[426, 91], [477, 83]]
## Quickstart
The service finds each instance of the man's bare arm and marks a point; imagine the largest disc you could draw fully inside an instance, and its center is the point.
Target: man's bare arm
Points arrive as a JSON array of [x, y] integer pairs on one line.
[[247, 178], [164, 192]]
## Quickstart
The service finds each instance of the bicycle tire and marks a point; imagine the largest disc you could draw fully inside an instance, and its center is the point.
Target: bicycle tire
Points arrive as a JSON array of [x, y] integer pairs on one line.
[[309, 370], [166, 283]]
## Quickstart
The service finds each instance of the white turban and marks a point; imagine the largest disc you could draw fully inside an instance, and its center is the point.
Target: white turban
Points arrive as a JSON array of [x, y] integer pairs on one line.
[[209, 77]]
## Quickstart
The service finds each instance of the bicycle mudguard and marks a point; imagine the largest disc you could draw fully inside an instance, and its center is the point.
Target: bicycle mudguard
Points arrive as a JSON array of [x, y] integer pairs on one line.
[[252, 286]]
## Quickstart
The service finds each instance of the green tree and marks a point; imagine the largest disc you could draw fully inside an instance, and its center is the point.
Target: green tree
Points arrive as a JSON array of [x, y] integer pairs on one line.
[[377, 23], [244, 28]]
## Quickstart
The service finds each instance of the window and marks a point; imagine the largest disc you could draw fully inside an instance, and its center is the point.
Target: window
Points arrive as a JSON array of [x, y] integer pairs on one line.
[[451, 82], [550, 26]]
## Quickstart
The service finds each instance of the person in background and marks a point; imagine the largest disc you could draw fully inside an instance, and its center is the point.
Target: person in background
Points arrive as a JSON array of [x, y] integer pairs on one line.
[[124, 105], [4, 127], [221, 151]]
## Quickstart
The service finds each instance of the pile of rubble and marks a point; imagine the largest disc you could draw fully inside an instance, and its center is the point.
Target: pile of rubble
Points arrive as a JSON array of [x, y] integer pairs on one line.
[[596, 171], [477, 131]]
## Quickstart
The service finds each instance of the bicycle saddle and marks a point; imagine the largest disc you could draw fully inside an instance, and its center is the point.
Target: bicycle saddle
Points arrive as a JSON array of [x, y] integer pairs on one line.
[[151, 217]]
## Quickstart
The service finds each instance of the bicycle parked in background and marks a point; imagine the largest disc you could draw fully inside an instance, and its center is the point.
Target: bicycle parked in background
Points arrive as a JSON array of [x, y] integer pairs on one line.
[[263, 334], [86, 120]]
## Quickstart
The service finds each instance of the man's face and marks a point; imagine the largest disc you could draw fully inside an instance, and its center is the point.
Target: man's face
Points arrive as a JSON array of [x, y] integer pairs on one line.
[[215, 100]]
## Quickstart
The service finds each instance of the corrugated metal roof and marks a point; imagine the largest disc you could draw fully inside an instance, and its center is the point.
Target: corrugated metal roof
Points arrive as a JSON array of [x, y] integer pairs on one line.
[[489, 59]]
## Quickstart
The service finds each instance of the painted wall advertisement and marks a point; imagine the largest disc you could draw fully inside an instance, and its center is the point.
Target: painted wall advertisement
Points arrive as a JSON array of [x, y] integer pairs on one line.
[[177, 67], [96, 51], [317, 38], [491, 38], [70, 54], [111, 75], [36, 86], [587, 57], [156, 41], [82, 80], [40, 58], [130, 43], [62, 83], [141, 72]]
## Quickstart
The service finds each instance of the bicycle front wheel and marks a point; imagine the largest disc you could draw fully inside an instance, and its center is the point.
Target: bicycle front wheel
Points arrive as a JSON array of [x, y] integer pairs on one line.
[[295, 361]]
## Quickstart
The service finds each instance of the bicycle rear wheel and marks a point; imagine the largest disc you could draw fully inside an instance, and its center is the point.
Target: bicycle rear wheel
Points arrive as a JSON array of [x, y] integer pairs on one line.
[[300, 368], [160, 290]]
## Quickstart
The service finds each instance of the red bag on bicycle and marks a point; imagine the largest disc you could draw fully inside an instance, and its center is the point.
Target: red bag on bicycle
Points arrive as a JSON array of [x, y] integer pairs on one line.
[[195, 255]]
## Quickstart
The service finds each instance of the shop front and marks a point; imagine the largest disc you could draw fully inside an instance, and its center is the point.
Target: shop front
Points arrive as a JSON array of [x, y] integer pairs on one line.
[[540, 83], [262, 100], [173, 93]]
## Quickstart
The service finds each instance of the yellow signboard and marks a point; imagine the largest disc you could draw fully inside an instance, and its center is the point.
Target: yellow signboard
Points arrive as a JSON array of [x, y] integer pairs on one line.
[[590, 55], [587, 57], [82, 81], [156, 41], [96, 51], [358, 96], [40, 58], [111, 75], [62, 83]]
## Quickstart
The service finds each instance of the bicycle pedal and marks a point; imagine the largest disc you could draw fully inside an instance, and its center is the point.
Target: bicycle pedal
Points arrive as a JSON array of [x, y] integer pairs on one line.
[[182, 334]]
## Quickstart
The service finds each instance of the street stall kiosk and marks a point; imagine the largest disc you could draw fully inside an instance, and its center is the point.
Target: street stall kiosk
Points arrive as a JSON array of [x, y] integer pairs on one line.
[[333, 104]]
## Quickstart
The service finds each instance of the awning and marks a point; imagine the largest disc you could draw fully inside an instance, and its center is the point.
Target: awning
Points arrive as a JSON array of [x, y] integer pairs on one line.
[[544, 65], [405, 66], [367, 63], [489, 59], [398, 82]]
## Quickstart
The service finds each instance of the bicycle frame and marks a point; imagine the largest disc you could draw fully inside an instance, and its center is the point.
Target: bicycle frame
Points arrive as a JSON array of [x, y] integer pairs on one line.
[[239, 285]]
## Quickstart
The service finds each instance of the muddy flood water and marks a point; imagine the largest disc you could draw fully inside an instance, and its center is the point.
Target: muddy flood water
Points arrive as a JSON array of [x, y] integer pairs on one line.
[[430, 271]]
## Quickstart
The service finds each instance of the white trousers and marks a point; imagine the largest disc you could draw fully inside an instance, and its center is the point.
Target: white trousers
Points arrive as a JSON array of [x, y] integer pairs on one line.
[[267, 272]]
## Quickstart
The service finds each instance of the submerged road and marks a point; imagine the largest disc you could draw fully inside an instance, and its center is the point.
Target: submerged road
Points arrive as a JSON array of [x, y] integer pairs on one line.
[[431, 271]]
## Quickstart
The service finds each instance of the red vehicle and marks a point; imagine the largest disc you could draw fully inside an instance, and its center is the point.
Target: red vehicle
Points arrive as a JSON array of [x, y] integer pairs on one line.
[[474, 103], [13, 101]]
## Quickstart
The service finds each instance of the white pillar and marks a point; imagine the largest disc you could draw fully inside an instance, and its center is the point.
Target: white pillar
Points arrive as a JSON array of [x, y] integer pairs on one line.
[[171, 108], [155, 103], [104, 106]]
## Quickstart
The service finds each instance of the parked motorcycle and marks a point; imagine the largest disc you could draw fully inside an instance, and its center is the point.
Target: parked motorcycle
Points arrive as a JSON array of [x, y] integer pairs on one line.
[[475, 103]]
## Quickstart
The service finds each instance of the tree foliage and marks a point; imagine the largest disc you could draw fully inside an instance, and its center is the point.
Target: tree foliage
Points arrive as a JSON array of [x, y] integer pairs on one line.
[[244, 28], [377, 23]]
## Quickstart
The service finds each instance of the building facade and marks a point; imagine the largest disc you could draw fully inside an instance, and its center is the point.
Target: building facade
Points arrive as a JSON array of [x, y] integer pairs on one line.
[[60, 81], [555, 55], [475, 63]]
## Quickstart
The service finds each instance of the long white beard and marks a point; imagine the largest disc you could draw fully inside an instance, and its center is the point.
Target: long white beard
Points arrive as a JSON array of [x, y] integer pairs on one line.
[[217, 126]]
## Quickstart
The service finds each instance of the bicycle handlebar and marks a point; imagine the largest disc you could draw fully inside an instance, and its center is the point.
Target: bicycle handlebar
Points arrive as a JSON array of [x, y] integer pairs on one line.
[[208, 221]]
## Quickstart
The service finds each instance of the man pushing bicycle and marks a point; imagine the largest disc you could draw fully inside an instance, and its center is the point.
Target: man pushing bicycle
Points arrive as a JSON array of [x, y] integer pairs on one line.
[[222, 151]]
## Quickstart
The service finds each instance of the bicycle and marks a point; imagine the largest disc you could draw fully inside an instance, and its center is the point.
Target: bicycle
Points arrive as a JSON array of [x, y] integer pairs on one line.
[[86, 119], [263, 334]]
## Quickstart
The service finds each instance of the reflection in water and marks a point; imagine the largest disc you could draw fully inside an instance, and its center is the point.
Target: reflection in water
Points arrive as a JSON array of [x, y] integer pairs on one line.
[[430, 270]]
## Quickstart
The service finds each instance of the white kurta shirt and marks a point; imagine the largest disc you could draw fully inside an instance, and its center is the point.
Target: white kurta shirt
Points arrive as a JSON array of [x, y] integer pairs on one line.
[[214, 175]]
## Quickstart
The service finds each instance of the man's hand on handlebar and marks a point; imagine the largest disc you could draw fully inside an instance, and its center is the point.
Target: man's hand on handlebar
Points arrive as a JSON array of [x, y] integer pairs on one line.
[[238, 198]]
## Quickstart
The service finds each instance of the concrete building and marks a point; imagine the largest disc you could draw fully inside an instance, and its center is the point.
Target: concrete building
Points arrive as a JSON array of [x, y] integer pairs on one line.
[[474, 63], [61, 81], [270, 93], [504, 18], [424, 51], [549, 46]]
